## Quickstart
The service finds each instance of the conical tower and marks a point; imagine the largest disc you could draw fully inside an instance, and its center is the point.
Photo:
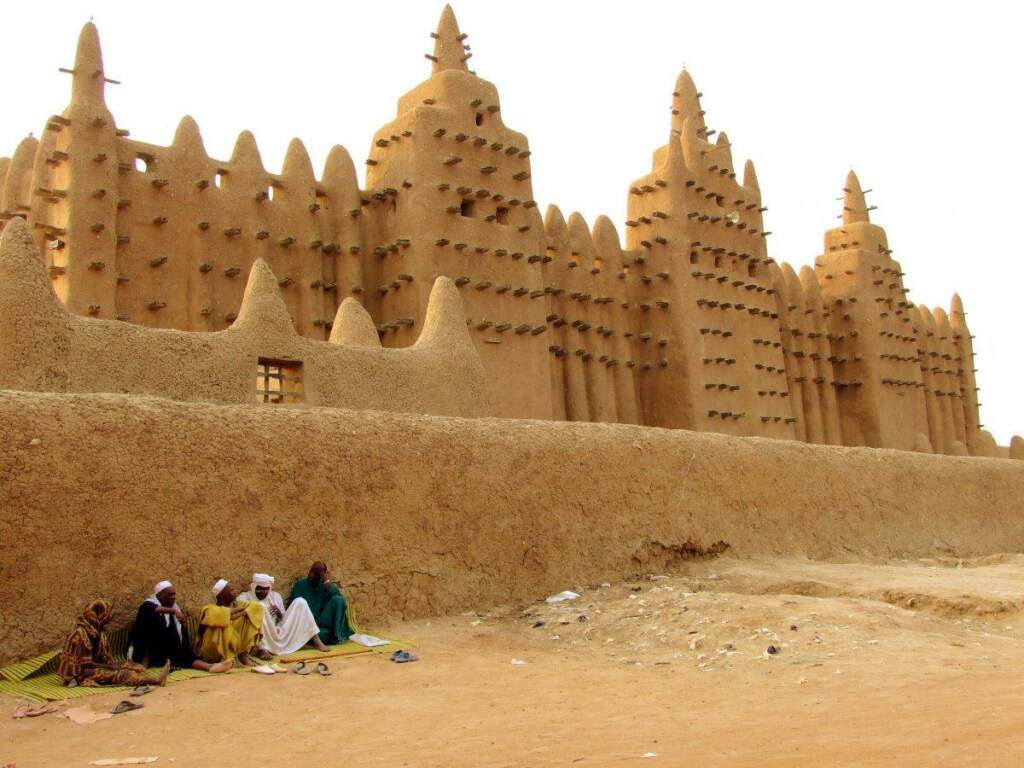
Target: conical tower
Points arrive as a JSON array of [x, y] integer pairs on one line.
[[79, 223], [449, 192], [449, 44], [875, 328], [692, 218]]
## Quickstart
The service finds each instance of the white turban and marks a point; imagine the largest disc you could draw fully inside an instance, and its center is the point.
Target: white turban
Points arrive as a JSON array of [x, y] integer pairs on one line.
[[262, 580], [218, 587], [161, 586]]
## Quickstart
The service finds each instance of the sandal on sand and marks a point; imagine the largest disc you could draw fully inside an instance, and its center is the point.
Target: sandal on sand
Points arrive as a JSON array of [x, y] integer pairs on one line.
[[28, 710], [263, 669], [278, 668], [402, 657], [301, 669], [323, 669], [127, 706], [141, 690]]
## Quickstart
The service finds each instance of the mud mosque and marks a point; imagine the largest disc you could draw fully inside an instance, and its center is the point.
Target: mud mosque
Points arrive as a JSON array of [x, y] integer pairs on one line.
[[441, 287]]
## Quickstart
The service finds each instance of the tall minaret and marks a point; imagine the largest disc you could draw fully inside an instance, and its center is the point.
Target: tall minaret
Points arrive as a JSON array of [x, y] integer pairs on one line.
[[874, 331], [449, 193], [81, 170], [692, 218]]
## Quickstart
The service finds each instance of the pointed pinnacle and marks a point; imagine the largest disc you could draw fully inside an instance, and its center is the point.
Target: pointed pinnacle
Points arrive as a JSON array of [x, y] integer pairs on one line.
[[87, 79], [449, 50], [855, 209]]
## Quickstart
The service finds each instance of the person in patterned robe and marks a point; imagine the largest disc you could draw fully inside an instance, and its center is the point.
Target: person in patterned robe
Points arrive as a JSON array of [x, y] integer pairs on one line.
[[85, 659]]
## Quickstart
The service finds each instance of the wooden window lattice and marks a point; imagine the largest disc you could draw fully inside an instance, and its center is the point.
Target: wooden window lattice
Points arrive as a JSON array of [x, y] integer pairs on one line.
[[278, 381]]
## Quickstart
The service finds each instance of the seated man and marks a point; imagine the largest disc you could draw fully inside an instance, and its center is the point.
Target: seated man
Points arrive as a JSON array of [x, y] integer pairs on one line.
[[160, 635], [86, 660], [229, 629], [326, 602], [284, 631]]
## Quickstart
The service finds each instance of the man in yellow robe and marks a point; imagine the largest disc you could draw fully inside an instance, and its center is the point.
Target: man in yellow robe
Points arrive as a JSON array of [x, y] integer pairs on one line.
[[229, 629]]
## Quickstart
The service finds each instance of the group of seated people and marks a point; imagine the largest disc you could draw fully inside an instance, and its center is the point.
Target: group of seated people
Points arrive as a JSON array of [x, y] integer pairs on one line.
[[232, 630]]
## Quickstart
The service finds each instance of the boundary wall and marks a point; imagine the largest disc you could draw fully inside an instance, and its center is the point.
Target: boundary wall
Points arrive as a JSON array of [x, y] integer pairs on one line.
[[422, 515]]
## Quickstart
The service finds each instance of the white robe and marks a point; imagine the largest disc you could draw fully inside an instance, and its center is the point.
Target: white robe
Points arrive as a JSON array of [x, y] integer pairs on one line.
[[296, 629]]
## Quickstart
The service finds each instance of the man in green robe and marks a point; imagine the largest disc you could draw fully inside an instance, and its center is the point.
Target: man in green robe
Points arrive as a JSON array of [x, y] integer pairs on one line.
[[326, 602]]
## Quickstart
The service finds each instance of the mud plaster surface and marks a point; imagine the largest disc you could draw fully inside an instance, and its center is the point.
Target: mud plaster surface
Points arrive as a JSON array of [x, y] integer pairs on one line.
[[105, 494]]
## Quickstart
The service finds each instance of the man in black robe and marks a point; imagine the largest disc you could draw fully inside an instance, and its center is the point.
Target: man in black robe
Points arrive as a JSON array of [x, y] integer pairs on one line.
[[160, 634]]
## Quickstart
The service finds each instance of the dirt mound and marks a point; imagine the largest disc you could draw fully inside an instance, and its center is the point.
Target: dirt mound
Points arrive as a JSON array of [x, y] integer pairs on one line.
[[975, 562], [948, 607]]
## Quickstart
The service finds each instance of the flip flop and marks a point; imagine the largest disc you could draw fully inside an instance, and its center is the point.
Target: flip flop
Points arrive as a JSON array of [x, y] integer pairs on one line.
[[141, 690], [403, 657], [301, 669], [323, 669], [127, 706], [28, 710], [278, 668], [263, 669]]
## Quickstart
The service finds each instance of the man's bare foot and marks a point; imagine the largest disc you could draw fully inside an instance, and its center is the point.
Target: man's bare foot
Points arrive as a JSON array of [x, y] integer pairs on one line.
[[318, 643], [164, 672], [264, 655], [222, 666], [245, 661]]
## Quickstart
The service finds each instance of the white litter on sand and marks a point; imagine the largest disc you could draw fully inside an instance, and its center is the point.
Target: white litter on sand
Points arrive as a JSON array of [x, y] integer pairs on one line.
[[561, 597], [368, 641]]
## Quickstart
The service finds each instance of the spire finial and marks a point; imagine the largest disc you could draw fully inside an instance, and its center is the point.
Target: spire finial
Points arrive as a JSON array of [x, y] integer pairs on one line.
[[675, 162], [296, 161], [956, 309], [449, 50], [855, 209], [87, 80], [750, 178], [686, 104], [187, 135]]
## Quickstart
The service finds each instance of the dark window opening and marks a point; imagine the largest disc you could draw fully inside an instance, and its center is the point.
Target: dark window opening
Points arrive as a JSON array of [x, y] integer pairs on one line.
[[468, 208], [693, 257], [278, 381], [479, 118], [751, 269], [718, 261], [501, 215]]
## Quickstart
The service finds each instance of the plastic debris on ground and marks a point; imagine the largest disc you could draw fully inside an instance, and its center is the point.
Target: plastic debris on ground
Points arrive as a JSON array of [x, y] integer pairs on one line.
[[367, 641], [561, 597]]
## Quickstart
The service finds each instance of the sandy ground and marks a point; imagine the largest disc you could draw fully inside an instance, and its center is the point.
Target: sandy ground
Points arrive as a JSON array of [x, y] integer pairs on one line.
[[901, 663]]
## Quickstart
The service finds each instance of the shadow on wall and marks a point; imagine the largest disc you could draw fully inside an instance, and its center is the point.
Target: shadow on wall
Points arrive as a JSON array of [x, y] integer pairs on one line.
[[260, 358]]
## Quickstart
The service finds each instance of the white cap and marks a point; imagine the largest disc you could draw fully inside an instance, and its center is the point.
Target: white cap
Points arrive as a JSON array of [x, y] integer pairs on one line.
[[218, 587], [161, 586]]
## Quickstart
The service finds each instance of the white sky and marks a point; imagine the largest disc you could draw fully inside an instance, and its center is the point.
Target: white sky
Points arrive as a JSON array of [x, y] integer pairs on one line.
[[915, 96]]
